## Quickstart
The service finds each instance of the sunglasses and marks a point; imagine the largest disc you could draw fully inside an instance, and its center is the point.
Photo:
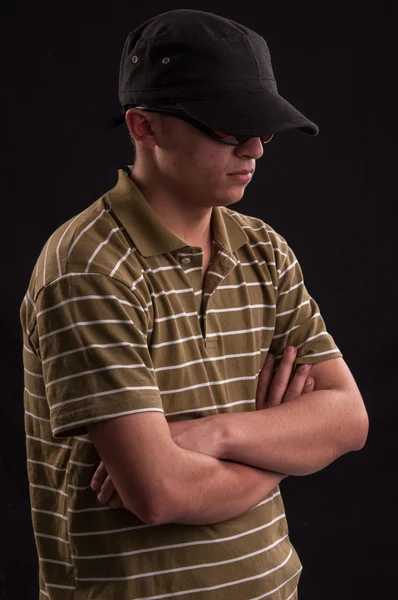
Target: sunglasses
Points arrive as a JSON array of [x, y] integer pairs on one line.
[[224, 138]]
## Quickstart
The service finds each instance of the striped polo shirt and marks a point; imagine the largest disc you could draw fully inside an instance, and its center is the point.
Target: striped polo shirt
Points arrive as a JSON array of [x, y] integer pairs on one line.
[[116, 321]]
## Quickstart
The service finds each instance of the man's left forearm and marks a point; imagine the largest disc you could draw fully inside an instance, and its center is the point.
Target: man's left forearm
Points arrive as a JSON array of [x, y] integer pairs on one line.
[[299, 437]]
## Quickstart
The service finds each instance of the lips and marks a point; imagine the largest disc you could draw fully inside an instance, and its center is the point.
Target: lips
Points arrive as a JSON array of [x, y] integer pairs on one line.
[[245, 172]]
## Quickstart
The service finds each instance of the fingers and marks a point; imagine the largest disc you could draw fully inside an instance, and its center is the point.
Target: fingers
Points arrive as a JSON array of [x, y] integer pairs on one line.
[[106, 492], [281, 378], [98, 477], [297, 385], [115, 501], [264, 381], [309, 385]]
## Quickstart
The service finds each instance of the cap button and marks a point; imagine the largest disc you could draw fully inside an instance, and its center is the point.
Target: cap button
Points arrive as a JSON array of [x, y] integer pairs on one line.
[[134, 59], [165, 60]]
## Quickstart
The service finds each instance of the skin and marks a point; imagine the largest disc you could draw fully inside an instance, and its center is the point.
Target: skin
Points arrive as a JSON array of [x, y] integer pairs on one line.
[[272, 390], [183, 172]]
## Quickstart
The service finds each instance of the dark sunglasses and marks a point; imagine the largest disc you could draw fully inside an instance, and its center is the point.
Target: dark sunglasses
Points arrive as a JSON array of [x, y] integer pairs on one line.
[[224, 138]]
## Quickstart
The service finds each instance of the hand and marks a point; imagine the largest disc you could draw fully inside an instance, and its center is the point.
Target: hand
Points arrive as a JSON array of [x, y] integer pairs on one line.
[[201, 436], [272, 391], [102, 483]]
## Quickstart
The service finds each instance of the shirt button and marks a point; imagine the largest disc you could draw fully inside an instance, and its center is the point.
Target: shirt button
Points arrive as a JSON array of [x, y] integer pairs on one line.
[[185, 260]]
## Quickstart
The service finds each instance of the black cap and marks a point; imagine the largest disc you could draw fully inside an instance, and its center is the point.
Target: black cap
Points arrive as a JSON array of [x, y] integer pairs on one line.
[[215, 69]]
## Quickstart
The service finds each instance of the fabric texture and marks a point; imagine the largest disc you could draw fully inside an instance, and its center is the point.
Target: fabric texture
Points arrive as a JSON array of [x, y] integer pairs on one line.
[[216, 69], [115, 321]]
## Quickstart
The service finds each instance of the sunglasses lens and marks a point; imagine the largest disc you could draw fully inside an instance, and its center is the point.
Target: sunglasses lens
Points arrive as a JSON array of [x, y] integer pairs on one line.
[[226, 138]]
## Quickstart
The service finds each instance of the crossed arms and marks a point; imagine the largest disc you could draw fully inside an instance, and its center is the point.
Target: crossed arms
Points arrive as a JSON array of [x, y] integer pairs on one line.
[[162, 482]]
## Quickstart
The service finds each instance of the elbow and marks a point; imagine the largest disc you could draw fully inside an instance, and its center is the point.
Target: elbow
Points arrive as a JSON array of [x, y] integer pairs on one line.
[[362, 430], [156, 510]]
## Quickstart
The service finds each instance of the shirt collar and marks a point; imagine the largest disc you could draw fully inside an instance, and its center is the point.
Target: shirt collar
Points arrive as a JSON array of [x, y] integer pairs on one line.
[[150, 234]]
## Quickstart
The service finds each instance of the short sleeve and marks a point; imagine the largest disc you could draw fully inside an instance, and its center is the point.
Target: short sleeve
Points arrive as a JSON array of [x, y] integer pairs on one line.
[[92, 336], [299, 322]]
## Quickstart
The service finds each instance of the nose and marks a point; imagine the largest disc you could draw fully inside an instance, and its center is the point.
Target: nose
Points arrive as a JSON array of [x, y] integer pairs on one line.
[[253, 148]]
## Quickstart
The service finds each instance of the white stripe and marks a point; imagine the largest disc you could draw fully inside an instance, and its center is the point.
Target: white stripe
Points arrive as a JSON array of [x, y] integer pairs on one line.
[[266, 501], [79, 487], [169, 546], [261, 243], [97, 394], [139, 366], [93, 297], [212, 407], [282, 274], [207, 384], [34, 395], [166, 268], [82, 439], [28, 350], [245, 283], [279, 587], [136, 282], [216, 274], [45, 487], [222, 585], [285, 333], [45, 258], [211, 359], [83, 323], [168, 292], [176, 316], [289, 312], [210, 335], [57, 562], [60, 240], [293, 287], [193, 269], [82, 510], [321, 353], [99, 247], [49, 512], [81, 464], [51, 537], [103, 417], [236, 331], [120, 262], [61, 587], [188, 568], [38, 462], [31, 300], [114, 345], [83, 231], [36, 417], [44, 593], [240, 308], [31, 437], [33, 374]]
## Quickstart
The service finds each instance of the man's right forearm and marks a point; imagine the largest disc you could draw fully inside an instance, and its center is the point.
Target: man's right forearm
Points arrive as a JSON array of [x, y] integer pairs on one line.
[[209, 490]]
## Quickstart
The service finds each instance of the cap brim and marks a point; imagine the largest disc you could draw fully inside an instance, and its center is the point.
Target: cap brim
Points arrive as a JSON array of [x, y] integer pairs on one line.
[[253, 114]]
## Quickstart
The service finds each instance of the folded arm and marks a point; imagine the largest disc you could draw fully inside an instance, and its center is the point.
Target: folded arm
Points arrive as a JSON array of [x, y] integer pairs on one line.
[[162, 483], [298, 437]]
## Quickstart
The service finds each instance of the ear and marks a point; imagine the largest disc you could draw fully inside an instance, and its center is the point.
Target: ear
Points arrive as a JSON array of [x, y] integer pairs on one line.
[[140, 125]]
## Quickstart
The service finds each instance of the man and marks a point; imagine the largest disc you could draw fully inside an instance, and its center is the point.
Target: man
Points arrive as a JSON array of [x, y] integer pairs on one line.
[[147, 321]]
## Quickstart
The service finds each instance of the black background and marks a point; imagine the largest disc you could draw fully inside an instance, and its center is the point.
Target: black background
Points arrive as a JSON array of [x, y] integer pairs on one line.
[[332, 196]]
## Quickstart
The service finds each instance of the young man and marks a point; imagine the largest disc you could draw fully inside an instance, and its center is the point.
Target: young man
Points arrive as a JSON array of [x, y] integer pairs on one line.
[[147, 321]]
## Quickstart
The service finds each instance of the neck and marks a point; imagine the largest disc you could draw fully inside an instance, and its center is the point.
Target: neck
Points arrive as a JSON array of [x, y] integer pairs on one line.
[[189, 222]]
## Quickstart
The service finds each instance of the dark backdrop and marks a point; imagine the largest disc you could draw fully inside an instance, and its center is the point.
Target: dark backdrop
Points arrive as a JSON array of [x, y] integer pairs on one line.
[[337, 64]]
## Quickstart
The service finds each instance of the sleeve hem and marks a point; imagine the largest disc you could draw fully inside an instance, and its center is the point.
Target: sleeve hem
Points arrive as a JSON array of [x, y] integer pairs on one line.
[[78, 427]]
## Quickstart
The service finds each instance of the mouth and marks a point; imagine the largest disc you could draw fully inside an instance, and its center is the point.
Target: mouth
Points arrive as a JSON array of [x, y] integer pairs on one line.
[[243, 177], [243, 172]]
